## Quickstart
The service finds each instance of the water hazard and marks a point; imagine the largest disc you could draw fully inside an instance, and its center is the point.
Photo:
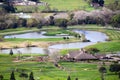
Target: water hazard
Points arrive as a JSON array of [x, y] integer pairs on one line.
[[93, 36]]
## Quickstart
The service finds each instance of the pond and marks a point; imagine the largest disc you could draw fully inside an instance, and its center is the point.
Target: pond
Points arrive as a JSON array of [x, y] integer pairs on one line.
[[93, 36], [25, 50], [33, 35]]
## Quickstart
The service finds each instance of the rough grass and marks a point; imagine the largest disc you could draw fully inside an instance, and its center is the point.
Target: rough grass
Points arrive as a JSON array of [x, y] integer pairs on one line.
[[47, 71]]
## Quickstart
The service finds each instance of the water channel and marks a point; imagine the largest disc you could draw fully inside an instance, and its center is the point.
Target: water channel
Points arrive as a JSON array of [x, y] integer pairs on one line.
[[93, 36]]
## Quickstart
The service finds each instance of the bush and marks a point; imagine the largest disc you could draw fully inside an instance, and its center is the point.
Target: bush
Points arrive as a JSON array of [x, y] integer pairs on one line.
[[24, 75], [93, 50], [61, 23], [1, 77], [114, 68], [11, 52]]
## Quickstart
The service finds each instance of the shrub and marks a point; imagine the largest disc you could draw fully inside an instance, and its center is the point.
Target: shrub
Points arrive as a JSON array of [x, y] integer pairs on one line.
[[31, 77], [61, 23], [68, 78], [11, 52], [1, 77], [93, 50], [24, 75], [12, 77], [114, 68]]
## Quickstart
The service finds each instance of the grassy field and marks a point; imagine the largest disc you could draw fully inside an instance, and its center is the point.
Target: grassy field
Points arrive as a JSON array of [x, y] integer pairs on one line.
[[60, 5], [47, 71], [68, 5], [112, 46]]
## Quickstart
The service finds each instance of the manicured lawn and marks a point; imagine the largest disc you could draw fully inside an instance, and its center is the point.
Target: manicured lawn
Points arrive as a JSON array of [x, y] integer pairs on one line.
[[47, 71], [61, 5], [112, 46], [68, 5]]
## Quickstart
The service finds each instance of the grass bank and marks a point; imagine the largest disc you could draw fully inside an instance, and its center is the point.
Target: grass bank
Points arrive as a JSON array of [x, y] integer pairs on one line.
[[112, 46]]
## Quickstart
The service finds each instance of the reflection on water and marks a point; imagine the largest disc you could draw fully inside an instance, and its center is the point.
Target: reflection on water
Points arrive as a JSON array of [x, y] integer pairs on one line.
[[25, 50], [32, 35], [93, 36]]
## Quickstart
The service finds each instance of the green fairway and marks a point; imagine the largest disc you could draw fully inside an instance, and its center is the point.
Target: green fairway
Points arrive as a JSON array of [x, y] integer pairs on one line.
[[60, 5], [47, 71], [112, 46], [69, 5]]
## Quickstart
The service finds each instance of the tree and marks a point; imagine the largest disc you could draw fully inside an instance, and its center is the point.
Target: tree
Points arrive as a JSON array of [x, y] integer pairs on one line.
[[93, 50], [35, 0], [12, 77], [61, 23], [11, 52], [1, 77], [101, 2], [23, 75], [51, 20], [102, 70], [1, 38], [115, 5], [31, 77], [15, 25], [115, 21], [114, 67], [55, 55], [68, 78], [76, 78], [9, 8]]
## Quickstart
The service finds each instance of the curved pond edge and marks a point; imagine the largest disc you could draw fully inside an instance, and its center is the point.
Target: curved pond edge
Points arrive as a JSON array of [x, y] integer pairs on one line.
[[69, 44]]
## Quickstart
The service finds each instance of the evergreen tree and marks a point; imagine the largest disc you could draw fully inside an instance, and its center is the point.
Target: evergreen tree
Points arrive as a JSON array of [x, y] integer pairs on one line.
[[1, 77], [51, 20], [11, 52], [101, 3], [12, 77], [76, 78], [68, 78], [31, 77]]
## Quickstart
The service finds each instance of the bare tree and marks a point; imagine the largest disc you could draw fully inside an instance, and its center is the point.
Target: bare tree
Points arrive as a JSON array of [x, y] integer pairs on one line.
[[54, 55]]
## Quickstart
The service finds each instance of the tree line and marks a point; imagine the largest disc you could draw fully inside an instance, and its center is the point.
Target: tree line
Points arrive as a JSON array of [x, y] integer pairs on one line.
[[8, 21]]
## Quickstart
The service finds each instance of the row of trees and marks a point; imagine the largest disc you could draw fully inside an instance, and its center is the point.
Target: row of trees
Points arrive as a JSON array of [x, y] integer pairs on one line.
[[9, 21], [31, 77]]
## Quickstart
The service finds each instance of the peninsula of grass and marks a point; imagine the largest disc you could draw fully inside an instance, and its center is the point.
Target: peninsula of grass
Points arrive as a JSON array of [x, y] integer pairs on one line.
[[47, 70]]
